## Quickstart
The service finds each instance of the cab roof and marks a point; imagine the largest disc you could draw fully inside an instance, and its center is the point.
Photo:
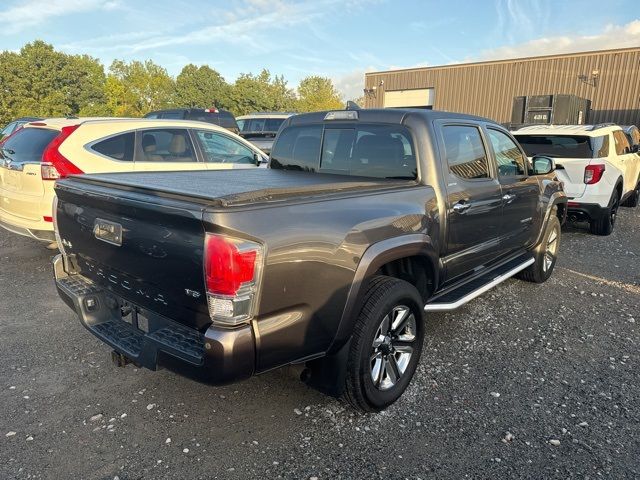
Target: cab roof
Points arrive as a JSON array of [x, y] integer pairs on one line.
[[388, 115]]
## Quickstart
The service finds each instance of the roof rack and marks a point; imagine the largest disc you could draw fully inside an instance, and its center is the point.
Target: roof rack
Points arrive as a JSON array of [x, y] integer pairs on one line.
[[602, 125]]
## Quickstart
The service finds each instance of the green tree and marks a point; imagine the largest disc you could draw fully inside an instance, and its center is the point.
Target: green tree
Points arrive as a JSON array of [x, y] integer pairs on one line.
[[259, 93], [201, 87], [42, 82], [318, 93], [136, 88]]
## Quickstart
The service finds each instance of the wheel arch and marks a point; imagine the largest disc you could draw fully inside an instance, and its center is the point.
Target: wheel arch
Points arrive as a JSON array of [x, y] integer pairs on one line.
[[417, 249]]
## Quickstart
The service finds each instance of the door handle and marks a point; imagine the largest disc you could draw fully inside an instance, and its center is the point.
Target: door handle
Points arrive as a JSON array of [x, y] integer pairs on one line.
[[461, 207], [507, 197]]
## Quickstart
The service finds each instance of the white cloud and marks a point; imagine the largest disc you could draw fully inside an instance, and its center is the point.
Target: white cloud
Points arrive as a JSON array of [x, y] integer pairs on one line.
[[350, 84], [24, 15], [612, 36]]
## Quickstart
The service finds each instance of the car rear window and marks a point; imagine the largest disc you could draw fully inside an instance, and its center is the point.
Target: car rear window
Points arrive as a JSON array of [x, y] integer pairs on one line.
[[27, 144], [380, 151], [262, 124], [221, 117], [565, 146]]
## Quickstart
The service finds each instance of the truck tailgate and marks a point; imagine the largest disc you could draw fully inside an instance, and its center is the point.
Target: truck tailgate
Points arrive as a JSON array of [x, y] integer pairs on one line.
[[157, 261]]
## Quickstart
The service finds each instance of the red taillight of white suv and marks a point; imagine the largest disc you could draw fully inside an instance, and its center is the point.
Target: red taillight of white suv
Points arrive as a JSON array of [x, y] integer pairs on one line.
[[55, 165], [232, 272], [593, 173]]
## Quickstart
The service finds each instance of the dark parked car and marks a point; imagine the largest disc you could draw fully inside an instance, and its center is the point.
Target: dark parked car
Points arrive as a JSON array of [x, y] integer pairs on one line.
[[261, 128], [365, 222], [15, 125], [211, 115]]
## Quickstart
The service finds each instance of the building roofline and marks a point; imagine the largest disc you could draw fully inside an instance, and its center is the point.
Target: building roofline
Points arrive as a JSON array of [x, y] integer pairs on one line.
[[506, 60]]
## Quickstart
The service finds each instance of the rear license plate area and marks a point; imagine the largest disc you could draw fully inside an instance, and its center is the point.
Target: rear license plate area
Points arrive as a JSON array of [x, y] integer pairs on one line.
[[132, 315]]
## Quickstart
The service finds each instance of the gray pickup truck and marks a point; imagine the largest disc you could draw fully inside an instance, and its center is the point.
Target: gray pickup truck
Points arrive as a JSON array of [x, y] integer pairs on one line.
[[365, 222]]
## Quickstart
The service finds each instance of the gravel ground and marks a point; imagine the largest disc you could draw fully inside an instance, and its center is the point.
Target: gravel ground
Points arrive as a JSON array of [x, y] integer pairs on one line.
[[526, 382]]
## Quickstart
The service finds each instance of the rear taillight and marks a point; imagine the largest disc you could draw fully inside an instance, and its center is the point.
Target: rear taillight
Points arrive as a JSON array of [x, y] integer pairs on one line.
[[593, 173], [54, 164], [232, 269]]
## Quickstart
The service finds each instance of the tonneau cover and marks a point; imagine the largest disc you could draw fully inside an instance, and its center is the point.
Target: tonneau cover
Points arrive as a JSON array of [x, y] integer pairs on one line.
[[241, 186]]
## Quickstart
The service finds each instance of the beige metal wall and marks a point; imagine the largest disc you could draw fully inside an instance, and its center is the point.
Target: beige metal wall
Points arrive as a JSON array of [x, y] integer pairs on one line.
[[488, 88]]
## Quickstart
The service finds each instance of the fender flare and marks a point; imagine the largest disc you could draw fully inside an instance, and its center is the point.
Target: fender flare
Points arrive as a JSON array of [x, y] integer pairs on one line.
[[556, 198], [377, 255]]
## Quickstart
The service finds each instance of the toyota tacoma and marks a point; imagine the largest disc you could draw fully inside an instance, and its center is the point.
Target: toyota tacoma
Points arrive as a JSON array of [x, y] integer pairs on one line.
[[365, 222]]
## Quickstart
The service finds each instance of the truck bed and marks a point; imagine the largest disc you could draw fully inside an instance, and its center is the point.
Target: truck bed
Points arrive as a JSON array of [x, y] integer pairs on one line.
[[238, 187]]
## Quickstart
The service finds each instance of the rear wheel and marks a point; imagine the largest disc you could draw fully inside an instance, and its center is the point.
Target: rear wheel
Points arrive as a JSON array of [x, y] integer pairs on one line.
[[604, 225], [386, 344], [545, 255]]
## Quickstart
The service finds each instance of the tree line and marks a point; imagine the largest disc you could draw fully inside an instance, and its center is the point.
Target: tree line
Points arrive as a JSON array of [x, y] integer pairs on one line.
[[40, 81]]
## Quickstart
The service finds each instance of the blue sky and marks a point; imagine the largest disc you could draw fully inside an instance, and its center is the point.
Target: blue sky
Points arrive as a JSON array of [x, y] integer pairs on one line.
[[340, 39]]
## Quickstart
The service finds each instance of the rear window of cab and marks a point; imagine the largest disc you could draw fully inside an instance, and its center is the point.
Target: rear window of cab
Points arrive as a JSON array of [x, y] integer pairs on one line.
[[379, 151]]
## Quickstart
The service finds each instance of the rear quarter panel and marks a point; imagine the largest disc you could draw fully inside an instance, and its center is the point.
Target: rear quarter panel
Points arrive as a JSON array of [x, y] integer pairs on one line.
[[312, 252]]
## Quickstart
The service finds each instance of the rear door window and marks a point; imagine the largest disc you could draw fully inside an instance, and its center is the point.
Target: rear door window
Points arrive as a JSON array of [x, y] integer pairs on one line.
[[118, 147], [165, 145], [219, 148], [27, 145], [465, 152]]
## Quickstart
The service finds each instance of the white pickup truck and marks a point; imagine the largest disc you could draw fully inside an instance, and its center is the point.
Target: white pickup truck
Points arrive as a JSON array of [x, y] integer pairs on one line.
[[598, 166]]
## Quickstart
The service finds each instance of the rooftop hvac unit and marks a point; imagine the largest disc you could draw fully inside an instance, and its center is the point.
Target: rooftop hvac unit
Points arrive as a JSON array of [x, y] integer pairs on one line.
[[550, 109]]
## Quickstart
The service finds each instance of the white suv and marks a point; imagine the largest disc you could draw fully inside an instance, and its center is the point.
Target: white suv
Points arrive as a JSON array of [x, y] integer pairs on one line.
[[598, 166]]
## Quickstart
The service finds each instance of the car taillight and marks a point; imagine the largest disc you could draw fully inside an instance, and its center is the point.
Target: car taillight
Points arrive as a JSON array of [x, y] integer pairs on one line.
[[54, 164], [232, 269], [593, 173]]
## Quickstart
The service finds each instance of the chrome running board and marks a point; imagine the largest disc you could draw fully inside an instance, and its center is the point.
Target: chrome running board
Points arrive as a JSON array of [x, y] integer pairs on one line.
[[466, 293]]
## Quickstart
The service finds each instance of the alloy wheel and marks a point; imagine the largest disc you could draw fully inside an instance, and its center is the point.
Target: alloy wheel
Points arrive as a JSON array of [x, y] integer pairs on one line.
[[551, 249], [392, 347]]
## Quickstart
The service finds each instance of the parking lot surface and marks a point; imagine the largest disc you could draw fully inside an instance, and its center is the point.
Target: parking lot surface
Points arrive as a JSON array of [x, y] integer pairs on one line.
[[528, 381]]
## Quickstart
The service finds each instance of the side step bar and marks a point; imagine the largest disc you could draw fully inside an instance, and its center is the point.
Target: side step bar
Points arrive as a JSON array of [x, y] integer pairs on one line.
[[466, 293]]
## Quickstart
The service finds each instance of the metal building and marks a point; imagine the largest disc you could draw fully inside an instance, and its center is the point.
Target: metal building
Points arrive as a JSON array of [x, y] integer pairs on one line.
[[610, 79]]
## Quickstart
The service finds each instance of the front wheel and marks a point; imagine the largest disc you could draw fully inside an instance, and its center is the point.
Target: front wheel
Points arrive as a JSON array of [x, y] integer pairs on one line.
[[545, 255], [386, 344]]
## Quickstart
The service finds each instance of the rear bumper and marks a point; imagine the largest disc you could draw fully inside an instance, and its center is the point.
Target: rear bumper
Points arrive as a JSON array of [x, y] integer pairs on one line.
[[47, 236], [217, 356], [585, 211]]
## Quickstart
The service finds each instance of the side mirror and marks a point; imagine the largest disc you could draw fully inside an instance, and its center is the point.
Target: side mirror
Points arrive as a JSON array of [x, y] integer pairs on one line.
[[259, 159], [543, 165]]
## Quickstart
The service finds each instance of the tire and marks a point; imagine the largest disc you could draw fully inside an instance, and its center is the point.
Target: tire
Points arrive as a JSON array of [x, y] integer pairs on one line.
[[604, 225], [546, 254], [634, 198], [378, 352]]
